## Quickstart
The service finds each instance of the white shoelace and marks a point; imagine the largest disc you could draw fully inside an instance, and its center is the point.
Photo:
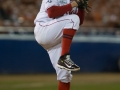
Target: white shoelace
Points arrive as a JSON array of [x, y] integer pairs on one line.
[[68, 60]]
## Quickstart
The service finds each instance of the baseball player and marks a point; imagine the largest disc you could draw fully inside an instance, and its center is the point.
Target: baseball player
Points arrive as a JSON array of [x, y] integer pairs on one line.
[[55, 27]]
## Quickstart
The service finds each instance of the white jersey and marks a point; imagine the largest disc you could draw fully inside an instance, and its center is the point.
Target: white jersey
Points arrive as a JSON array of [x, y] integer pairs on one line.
[[42, 16]]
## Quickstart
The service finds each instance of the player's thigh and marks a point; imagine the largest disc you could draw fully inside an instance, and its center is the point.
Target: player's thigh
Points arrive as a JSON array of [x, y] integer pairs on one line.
[[53, 29], [73, 21], [50, 33]]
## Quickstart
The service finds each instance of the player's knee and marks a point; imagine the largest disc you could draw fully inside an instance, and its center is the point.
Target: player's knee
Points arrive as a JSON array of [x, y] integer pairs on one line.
[[64, 77], [75, 19]]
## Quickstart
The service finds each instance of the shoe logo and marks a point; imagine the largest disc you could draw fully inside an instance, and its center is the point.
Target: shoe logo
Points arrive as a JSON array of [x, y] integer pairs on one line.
[[67, 65], [62, 61]]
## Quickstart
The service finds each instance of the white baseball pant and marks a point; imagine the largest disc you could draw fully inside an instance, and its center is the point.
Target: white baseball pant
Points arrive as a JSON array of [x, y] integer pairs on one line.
[[49, 35]]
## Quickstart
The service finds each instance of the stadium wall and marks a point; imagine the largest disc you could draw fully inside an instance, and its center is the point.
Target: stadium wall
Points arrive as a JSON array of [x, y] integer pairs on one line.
[[27, 56]]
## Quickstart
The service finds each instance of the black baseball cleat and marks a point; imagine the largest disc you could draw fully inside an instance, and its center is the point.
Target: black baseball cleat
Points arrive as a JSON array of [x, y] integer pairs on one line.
[[66, 63]]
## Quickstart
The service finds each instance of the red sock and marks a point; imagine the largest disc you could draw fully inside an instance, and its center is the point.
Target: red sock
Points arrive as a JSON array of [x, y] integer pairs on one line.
[[68, 35], [63, 86]]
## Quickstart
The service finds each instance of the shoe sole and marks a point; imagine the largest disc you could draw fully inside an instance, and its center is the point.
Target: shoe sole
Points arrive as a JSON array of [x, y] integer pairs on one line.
[[61, 67]]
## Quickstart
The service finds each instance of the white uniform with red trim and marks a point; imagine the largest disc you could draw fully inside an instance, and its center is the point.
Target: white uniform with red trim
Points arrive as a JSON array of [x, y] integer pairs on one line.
[[48, 33]]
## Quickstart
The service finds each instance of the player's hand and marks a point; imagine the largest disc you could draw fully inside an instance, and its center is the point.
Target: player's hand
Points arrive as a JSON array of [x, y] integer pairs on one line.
[[74, 4]]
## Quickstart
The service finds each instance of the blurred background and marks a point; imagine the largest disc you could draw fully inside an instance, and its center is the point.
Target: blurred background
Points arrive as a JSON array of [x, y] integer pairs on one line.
[[95, 48]]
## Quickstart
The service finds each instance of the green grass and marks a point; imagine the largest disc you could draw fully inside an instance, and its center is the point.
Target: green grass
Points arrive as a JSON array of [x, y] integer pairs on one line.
[[110, 81], [97, 87]]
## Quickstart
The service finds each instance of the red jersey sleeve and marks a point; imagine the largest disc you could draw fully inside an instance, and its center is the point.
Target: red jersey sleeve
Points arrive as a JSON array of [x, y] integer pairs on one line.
[[56, 11]]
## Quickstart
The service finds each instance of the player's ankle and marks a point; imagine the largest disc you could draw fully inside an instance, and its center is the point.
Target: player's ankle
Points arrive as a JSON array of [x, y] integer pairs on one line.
[[63, 54]]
